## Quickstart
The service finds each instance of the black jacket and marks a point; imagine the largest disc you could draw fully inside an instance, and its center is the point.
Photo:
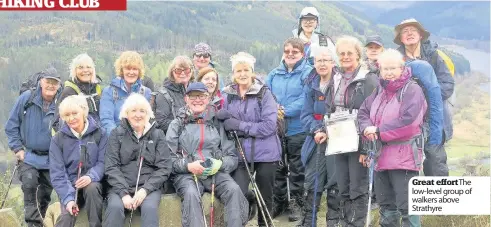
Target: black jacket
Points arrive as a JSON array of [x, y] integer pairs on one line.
[[165, 112]]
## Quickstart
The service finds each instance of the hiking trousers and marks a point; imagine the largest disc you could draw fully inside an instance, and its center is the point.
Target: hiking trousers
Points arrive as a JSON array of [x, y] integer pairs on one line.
[[115, 213], [36, 186], [89, 198]]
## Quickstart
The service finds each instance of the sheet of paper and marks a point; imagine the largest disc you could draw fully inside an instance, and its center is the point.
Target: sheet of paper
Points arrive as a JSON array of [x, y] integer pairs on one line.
[[342, 131]]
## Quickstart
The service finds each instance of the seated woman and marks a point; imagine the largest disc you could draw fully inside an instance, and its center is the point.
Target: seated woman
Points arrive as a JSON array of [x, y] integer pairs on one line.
[[80, 140], [129, 69], [209, 76], [250, 110], [394, 115], [137, 164], [196, 139]]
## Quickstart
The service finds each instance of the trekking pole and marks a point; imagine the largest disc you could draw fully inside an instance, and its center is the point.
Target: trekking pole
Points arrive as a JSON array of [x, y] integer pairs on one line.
[[212, 210], [316, 184], [259, 197], [138, 177], [10, 183], [371, 154], [287, 177], [202, 209]]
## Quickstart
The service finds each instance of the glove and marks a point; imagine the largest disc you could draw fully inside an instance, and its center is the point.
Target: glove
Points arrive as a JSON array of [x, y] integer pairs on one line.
[[281, 113], [213, 169], [223, 114], [231, 124]]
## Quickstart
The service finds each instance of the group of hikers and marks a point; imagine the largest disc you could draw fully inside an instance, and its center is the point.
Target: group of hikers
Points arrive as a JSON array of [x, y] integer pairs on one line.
[[313, 125]]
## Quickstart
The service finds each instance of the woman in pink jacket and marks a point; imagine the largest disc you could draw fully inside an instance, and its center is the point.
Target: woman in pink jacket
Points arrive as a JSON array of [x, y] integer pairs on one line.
[[393, 115]]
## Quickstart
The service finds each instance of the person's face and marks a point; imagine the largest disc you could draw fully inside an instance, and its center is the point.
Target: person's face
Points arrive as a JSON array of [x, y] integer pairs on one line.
[[74, 118], [137, 116], [201, 60], [210, 80], [243, 74], [308, 24], [373, 51], [197, 101], [131, 74], [391, 69], [182, 75], [323, 64], [291, 55], [348, 57], [49, 87], [84, 72], [410, 35]]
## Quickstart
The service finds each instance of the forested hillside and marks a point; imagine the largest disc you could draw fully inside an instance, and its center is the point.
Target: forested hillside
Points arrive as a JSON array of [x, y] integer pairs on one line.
[[161, 30]]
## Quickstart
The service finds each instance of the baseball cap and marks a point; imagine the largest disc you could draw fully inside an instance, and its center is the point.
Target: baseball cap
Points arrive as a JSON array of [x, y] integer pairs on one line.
[[196, 86], [51, 73], [374, 39]]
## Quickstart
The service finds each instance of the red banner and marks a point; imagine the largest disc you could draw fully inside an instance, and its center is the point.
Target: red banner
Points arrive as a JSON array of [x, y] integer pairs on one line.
[[63, 5]]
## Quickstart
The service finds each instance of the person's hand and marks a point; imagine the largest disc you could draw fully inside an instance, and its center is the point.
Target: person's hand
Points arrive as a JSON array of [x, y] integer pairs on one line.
[[20, 155], [196, 167], [370, 130], [223, 114], [82, 182], [213, 169], [372, 137], [320, 137], [127, 202], [139, 197], [281, 113], [70, 208], [231, 124], [364, 161]]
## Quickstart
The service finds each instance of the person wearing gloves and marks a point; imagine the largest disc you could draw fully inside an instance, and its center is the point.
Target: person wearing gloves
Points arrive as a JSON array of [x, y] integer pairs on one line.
[[393, 116], [137, 164], [286, 82], [318, 167], [308, 30], [79, 140], [251, 111], [203, 155]]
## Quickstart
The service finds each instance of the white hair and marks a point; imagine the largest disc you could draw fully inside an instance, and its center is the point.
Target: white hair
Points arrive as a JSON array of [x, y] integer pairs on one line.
[[72, 103], [243, 58], [82, 59], [133, 101], [323, 50], [390, 55], [350, 41]]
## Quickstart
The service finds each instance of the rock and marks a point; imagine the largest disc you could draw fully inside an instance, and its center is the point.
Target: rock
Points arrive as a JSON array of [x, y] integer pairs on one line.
[[8, 218], [169, 213]]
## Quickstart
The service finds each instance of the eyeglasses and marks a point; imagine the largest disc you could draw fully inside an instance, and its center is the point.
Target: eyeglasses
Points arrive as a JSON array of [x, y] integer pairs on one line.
[[389, 69], [349, 54], [292, 52], [324, 61], [179, 70], [409, 30], [202, 55], [309, 20], [52, 82], [200, 97], [84, 67]]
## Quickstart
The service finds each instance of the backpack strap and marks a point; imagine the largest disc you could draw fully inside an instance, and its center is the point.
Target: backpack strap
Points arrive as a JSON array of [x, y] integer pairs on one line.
[[166, 95], [115, 93], [98, 89], [29, 102], [403, 90], [73, 86]]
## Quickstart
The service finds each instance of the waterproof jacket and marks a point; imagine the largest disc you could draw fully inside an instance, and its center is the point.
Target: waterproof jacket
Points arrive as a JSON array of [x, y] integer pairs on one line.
[[218, 100], [423, 73], [65, 155], [166, 110], [257, 121], [122, 160], [31, 131], [113, 98], [192, 138], [87, 89], [399, 118], [289, 89], [312, 116], [445, 79]]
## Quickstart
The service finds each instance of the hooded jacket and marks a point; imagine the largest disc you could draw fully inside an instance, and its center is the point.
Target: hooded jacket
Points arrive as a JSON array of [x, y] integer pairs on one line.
[[113, 98], [122, 159], [192, 138], [166, 110], [65, 154], [258, 124]]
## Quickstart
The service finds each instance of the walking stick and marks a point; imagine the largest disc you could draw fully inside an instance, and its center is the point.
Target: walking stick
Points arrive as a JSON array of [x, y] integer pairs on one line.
[[75, 208], [202, 210], [10, 183], [138, 177], [316, 184], [371, 154]]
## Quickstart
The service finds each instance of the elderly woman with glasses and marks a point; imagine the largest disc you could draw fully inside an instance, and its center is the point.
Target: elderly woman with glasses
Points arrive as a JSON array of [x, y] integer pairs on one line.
[[170, 98]]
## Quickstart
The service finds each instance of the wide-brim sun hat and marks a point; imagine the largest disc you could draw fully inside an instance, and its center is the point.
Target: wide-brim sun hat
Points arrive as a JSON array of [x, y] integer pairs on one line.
[[423, 32]]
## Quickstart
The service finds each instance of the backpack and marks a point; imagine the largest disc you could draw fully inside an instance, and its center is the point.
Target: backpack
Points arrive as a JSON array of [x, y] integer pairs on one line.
[[167, 97], [446, 59], [116, 95], [72, 85]]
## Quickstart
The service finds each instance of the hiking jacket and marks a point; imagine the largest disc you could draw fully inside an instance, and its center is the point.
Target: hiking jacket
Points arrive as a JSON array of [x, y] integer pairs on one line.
[[166, 110], [65, 155], [113, 98], [122, 159], [424, 74], [289, 89], [399, 119], [31, 131], [445, 80], [257, 123], [87, 89], [192, 138]]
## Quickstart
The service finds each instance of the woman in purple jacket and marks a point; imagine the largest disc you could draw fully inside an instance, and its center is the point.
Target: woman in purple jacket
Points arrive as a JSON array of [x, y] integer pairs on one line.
[[250, 110], [394, 114]]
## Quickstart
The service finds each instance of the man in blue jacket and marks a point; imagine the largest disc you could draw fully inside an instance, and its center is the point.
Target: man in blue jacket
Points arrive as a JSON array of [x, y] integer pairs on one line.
[[414, 44], [29, 134], [287, 84]]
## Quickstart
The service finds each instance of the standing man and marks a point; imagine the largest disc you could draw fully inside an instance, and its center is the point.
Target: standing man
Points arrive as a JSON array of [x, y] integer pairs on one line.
[[29, 135], [414, 44]]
